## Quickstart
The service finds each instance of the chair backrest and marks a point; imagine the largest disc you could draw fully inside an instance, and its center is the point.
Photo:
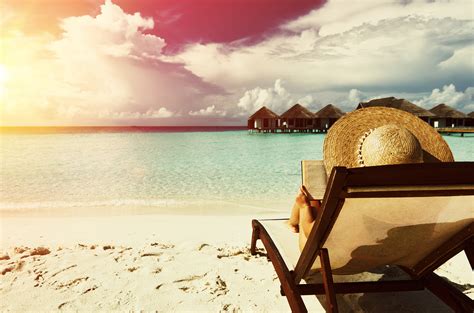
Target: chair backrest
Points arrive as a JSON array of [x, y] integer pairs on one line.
[[413, 215]]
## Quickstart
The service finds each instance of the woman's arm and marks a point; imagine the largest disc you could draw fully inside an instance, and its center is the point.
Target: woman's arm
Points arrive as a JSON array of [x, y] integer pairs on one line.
[[304, 212]]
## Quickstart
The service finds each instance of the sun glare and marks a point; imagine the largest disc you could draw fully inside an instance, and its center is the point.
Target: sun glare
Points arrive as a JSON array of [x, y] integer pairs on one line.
[[3, 79]]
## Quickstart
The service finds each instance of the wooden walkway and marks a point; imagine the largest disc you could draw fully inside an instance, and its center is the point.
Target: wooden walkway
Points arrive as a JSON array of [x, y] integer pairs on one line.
[[456, 130], [281, 130]]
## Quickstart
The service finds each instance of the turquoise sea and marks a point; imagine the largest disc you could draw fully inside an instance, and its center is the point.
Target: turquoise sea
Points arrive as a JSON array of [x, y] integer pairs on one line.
[[216, 171]]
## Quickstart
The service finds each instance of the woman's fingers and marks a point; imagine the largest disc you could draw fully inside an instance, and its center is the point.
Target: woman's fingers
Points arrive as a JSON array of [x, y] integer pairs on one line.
[[305, 194], [304, 191]]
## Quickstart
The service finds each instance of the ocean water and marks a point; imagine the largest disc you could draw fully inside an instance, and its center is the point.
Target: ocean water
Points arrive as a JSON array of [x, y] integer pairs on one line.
[[218, 171]]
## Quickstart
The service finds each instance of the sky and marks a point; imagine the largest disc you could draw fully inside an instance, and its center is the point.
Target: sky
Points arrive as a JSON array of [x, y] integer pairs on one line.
[[215, 62]]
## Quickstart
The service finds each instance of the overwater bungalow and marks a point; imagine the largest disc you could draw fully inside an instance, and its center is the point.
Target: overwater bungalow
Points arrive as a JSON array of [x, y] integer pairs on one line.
[[327, 116], [446, 116], [470, 119], [264, 120], [297, 119], [401, 104]]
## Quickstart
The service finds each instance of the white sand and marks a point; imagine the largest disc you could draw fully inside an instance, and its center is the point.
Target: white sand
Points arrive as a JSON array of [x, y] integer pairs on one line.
[[165, 263]]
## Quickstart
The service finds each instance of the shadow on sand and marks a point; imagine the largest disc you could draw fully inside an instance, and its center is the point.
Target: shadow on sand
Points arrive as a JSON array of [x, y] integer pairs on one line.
[[402, 244]]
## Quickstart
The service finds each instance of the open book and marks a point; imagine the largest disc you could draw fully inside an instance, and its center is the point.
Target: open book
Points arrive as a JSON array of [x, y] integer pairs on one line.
[[314, 178]]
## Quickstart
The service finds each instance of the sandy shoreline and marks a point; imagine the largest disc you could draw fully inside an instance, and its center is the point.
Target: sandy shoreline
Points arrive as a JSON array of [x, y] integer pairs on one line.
[[134, 207], [165, 263]]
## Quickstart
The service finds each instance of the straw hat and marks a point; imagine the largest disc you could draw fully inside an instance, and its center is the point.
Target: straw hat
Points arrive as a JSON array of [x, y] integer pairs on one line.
[[379, 136]]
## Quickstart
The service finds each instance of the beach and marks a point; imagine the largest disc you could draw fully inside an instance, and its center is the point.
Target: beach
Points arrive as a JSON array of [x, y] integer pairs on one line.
[[140, 140], [163, 263], [133, 263]]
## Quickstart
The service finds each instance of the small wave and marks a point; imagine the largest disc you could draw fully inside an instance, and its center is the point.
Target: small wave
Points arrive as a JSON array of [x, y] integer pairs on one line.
[[79, 204]]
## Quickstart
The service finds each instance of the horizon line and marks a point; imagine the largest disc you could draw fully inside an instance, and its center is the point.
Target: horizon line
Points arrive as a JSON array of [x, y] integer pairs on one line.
[[113, 129], [46, 126]]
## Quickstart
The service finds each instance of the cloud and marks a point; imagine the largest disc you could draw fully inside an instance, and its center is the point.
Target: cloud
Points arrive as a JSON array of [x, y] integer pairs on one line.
[[276, 98], [378, 47], [448, 95], [109, 66], [463, 101], [111, 33], [337, 17], [101, 67], [209, 111], [160, 113], [402, 53], [150, 114], [306, 100], [355, 96]]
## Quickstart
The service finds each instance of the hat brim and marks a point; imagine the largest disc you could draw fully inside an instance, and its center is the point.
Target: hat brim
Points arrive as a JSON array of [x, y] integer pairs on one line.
[[342, 140]]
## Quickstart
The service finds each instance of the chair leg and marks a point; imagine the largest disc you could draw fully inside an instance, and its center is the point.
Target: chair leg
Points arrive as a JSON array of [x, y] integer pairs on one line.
[[331, 302], [286, 278], [469, 250], [255, 237], [453, 297]]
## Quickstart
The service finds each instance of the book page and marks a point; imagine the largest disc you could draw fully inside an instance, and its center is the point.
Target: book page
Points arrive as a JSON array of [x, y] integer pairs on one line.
[[314, 178]]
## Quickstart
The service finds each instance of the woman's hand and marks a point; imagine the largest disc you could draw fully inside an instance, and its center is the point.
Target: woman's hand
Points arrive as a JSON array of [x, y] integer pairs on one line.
[[302, 198], [301, 202]]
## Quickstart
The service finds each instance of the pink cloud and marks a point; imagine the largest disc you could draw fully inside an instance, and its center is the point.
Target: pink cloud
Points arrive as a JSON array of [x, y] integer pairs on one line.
[[105, 68], [189, 21]]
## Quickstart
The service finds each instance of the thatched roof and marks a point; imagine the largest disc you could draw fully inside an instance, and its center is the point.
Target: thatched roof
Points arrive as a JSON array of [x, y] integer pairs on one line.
[[395, 103], [329, 111], [297, 111], [263, 112], [443, 110], [471, 115]]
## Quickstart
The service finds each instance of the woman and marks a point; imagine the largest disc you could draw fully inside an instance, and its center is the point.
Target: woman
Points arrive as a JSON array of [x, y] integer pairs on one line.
[[370, 137]]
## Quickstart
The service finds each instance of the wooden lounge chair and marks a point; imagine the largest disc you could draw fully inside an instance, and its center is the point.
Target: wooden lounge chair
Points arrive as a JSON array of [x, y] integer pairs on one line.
[[413, 216]]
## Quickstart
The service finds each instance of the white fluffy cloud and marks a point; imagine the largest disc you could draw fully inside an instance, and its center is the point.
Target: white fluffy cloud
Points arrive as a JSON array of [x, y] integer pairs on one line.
[[111, 33], [306, 100], [461, 100], [355, 96], [102, 68], [150, 114], [450, 96], [209, 111], [336, 16], [276, 98], [399, 52]]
